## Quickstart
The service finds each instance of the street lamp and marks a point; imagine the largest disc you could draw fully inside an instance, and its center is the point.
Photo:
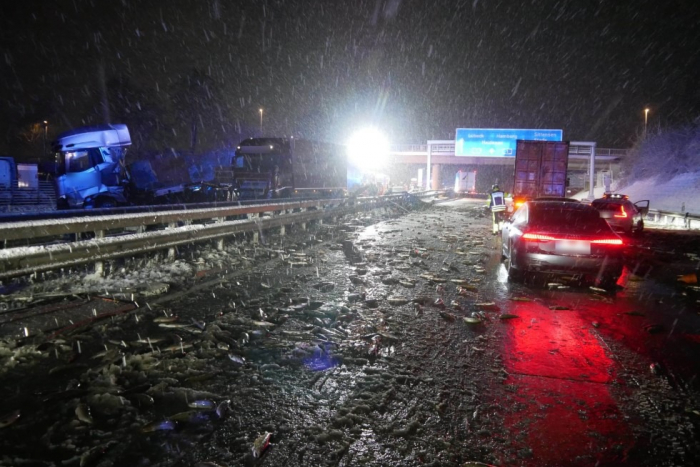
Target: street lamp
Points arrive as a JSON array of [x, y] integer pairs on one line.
[[646, 119], [261, 128], [46, 131]]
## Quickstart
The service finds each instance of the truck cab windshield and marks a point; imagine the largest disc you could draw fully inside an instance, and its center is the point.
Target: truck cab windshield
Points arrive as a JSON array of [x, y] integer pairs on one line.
[[79, 160], [260, 163]]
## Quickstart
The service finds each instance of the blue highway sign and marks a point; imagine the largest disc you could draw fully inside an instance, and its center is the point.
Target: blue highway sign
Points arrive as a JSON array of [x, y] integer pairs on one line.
[[497, 142]]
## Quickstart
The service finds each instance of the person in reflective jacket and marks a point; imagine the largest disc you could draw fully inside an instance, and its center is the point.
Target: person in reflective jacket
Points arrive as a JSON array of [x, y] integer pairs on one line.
[[497, 205]]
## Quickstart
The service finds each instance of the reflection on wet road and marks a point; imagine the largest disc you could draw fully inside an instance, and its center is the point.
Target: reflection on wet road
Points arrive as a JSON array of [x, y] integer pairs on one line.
[[378, 342], [577, 362]]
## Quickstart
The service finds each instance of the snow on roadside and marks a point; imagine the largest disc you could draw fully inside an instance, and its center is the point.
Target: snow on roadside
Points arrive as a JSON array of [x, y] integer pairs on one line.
[[153, 272], [679, 194]]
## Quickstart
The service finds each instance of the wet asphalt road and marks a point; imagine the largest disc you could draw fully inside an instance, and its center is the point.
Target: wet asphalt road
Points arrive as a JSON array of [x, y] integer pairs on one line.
[[342, 353]]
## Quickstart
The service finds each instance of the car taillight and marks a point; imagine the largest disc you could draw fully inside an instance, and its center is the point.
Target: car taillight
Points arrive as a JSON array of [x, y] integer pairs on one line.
[[534, 237], [607, 241], [622, 214], [538, 237]]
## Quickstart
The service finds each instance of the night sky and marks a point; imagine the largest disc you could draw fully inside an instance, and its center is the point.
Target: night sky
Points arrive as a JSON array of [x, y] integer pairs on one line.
[[320, 69]]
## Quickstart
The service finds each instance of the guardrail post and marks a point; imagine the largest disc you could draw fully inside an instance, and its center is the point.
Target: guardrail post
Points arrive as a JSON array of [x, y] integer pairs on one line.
[[171, 250], [99, 265], [220, 242]]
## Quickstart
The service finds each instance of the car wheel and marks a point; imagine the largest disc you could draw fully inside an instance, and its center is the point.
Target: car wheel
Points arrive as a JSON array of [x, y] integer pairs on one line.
[[513, 273], [640, 227], [608, 283]]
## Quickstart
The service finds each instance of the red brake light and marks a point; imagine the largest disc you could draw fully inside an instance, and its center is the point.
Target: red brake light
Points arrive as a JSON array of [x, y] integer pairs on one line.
[[622, 214], [548, 238], [538, 237], [608, 241]]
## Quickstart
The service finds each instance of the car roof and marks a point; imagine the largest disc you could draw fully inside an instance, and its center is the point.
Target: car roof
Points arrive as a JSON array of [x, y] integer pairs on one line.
[[555, 198], [612, 201], [559, 204]]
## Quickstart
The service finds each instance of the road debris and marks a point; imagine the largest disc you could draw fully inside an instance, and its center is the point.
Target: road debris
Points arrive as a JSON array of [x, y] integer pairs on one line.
[[506, 316], [472, 320], [691, 278], [260, 444], [9, 418]]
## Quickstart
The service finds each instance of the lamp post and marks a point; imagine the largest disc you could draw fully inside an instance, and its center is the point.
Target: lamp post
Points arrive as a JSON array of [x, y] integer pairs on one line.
[[646, 119], [46, 132], [261, 127]]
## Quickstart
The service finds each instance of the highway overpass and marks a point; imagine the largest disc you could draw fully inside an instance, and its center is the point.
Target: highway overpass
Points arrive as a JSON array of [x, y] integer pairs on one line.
[[408, 159]]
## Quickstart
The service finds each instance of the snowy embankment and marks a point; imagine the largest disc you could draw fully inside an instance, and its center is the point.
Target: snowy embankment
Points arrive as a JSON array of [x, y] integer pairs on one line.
[[679, 194]]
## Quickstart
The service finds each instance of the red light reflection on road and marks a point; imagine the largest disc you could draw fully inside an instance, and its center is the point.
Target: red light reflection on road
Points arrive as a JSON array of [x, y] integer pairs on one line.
[[555, 344], [564, 411]]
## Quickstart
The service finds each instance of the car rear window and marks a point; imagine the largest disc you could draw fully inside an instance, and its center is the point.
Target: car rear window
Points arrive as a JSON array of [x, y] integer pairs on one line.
[[568, 221], [606, 205]]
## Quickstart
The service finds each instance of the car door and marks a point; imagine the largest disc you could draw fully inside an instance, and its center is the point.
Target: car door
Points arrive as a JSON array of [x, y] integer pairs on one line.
[[512, 228], [642, 207]]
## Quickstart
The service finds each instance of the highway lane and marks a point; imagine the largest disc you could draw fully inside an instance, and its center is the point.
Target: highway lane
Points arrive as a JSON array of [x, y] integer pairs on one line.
[[354, 379]]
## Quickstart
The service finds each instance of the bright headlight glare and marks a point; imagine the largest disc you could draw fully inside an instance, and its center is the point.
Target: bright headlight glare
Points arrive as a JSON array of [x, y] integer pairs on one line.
[[368, 148]]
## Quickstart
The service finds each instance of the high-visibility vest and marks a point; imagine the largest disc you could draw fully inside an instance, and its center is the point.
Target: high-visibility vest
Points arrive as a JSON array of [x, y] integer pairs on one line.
[[498, 201]]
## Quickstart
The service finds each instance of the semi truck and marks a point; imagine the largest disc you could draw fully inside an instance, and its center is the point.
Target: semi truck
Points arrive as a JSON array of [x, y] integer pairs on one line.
[[540, 170], [93, 172], [465, 181], [287, 168]]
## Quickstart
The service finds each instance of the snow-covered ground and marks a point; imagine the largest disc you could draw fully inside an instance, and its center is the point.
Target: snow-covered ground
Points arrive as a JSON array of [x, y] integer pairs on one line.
[[679, 194]]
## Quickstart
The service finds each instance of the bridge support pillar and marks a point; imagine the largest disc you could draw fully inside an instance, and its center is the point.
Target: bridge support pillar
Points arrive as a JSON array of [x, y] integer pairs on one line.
[[435, 177]]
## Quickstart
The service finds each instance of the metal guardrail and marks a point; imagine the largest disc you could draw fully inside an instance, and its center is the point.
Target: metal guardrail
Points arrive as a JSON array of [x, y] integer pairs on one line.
[[75, 225], [95, 212], [674, 219], [125, 235]]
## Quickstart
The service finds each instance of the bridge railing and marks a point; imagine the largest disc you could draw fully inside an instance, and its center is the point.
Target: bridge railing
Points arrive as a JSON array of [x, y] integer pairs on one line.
[[409, 149], [422, 149]]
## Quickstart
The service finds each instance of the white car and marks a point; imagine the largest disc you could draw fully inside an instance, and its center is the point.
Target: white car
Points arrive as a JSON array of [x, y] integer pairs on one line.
[[621, 214]]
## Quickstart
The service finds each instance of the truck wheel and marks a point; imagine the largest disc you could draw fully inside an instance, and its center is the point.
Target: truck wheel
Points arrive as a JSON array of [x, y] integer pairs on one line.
[[62, 205], [105, 203]]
